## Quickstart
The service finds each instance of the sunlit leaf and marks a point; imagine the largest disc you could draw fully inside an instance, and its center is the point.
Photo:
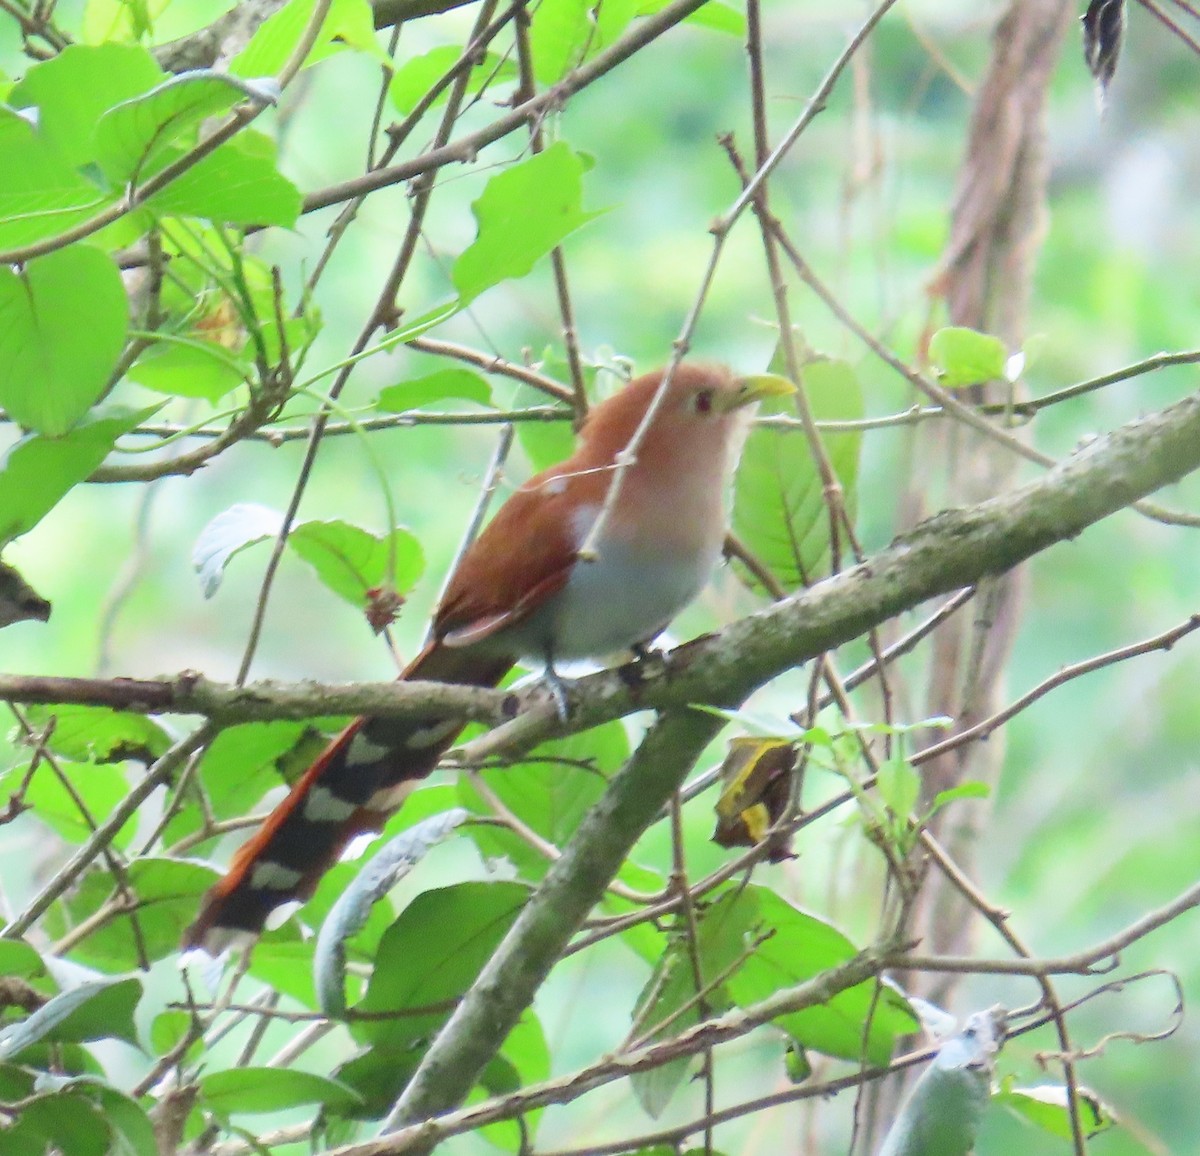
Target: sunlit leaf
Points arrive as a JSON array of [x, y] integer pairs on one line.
[[524, 212], [74, 88], [418, 74], [238, 184], [964, 357], [567, 32], [62, 326], [197, 369], [347, 24], [39, 470], [459, 384], [350, 561], [41, 195], [131, 136]]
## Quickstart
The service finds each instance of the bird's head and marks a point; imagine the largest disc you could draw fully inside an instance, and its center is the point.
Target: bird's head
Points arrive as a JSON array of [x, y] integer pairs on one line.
[[704, 408]]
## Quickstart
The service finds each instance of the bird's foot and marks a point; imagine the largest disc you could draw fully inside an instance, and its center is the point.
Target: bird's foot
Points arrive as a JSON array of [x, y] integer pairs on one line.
[[649, 662], [558, 693]]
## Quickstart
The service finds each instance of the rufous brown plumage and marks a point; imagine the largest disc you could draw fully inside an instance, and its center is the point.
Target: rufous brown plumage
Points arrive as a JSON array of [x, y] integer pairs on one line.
[[523, 590]]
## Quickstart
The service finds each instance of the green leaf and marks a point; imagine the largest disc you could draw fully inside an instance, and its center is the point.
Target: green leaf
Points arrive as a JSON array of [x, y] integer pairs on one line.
[[778, 508], [168, 1030], [196, 368], [242, 764], [348, 23], [99, 788], [237, 184], [132, 1130], [1046, 1107], [964, 357], [73, 89], [524, 212], [416, 970], [524, 1059], [413, 970], [435, 387], [394, 860], [18, 959], [62, 1122], [62, 327], [546, 443], [713, 15], [425, 802], [971, 790], [97, 734], [271, 1090], [549, 791], [165, 895], [97, 1010], [724, 930], [567, 32], [350, 560], [133, 136], [800, 947], [417, 75], [38, 471], [41, 195], [124, 20], [899, 785]]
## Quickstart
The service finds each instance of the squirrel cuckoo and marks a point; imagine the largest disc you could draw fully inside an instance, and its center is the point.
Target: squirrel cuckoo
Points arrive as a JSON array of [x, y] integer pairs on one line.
[[522, 591]]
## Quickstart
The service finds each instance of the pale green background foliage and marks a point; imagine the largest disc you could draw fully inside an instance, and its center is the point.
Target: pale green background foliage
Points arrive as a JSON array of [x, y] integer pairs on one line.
[[1095, 819]]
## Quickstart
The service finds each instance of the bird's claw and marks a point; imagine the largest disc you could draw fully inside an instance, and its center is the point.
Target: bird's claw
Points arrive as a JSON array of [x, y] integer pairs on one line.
[[558, 694]]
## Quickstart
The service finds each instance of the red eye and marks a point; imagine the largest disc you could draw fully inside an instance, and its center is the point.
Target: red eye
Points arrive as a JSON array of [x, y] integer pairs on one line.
[[704, 401]]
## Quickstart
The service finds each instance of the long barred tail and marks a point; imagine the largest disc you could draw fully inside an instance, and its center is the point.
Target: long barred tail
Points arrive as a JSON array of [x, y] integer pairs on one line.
[[359, 780]]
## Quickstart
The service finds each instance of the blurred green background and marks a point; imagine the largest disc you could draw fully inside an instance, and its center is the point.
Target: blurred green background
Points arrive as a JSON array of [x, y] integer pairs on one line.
[[1095, 821]]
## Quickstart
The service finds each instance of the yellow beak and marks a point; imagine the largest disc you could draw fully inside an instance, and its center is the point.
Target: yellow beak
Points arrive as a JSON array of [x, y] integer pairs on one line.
[[758, 387]]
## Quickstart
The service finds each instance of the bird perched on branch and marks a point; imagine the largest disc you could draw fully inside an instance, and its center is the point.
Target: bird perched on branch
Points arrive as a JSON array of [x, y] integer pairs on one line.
[[590, 557]]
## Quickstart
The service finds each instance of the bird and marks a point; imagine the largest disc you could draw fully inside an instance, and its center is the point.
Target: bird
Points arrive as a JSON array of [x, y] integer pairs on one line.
[[586, 559]]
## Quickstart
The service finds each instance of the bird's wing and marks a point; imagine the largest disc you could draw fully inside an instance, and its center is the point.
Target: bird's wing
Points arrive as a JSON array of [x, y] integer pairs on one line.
[[524, 556]]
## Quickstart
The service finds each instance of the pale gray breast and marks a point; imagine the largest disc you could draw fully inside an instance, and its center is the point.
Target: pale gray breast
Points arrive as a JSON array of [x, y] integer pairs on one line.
[[628, 594]]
